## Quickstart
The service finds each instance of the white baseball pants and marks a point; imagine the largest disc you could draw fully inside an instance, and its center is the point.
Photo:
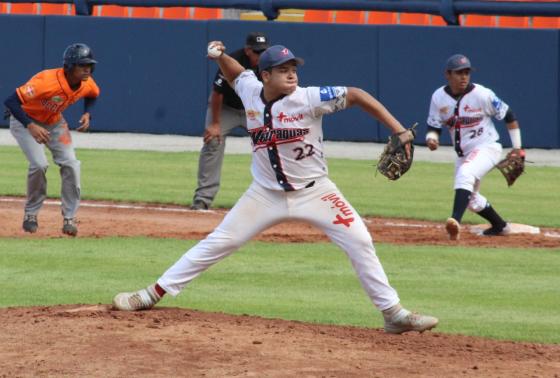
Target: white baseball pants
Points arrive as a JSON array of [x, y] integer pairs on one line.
[[258, 209], [471, 168]]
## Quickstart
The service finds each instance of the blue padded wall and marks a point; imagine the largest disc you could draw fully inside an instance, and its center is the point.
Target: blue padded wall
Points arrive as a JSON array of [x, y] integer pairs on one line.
[[330, 59], [152, 73], [155, 77], [21, 43], [520, 66]]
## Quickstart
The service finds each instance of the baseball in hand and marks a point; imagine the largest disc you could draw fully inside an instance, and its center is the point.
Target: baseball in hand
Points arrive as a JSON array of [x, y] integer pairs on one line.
[[214, 51]]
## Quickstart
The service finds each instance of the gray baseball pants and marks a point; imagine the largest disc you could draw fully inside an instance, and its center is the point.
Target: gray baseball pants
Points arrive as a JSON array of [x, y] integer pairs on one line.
[[212, 154], [62, 150]]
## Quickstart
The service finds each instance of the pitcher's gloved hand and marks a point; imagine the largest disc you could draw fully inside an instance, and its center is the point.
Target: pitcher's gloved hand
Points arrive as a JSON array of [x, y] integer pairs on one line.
[[396, 158]]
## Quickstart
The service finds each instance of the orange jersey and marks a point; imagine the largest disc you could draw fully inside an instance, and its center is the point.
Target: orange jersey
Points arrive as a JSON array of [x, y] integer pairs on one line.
[[48, 94]]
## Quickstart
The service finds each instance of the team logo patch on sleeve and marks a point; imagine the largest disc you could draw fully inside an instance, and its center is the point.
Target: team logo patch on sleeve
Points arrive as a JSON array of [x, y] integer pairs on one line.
[[497, 103], [29, 91], [327, 93]]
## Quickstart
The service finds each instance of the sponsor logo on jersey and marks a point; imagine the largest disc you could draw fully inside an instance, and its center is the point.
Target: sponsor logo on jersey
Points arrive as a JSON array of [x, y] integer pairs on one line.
[[468, 109], [50, 105], [57, 99], [284, 118], [444, 110], [252, 114], [263, 137], [327, 93], [345, 215]]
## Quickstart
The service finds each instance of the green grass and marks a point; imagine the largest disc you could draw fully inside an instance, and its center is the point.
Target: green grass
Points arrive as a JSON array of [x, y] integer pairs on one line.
[[504, 294], [498, 293], [170, 177]]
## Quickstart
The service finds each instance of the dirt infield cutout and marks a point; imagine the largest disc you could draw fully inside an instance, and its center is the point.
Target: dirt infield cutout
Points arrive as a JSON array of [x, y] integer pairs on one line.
[[101, 219], [95, 340]]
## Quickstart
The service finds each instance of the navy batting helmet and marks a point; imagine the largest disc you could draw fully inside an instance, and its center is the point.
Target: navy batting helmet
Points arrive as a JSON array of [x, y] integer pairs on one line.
[[78, 53]]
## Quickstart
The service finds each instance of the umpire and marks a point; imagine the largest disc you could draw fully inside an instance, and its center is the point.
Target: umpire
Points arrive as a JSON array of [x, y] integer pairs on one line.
[[225, 112]]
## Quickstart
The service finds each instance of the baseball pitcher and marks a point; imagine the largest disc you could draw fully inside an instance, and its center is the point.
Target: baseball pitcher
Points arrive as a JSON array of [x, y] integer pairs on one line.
[[290, 182]]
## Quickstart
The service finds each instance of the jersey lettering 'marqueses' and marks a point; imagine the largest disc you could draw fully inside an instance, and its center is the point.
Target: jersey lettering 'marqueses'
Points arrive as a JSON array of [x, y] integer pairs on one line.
[[474, 119], [264, 136], [287, 134]]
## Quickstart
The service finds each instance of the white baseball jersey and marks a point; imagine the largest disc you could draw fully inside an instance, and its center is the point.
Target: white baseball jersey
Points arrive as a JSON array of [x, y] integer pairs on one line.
[[468, 119], [290, 183], [287, 134]]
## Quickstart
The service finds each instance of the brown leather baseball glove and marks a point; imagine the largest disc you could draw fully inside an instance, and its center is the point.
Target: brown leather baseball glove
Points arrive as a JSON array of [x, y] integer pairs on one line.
[[396, 158], [513, 165]]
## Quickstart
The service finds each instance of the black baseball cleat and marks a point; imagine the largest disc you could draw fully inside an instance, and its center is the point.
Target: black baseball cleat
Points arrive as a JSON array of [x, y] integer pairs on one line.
[[70, 226], [199, 205], [30, 223], [497, 231]]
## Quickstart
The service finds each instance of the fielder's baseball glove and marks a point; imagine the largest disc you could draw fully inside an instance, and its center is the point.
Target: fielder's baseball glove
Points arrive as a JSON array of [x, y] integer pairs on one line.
[[394, 162], [513, 165]]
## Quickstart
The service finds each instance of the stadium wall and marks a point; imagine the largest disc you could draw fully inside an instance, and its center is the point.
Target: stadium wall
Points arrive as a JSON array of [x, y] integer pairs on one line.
[[155, 78]]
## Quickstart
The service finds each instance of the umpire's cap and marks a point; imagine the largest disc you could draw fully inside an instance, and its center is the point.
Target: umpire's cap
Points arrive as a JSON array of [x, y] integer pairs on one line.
[[257, 41], [457, 62], [77, 53], [275, 56]]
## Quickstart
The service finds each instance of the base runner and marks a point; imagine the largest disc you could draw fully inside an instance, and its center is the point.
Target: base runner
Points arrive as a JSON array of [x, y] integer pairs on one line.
[[36, 121]]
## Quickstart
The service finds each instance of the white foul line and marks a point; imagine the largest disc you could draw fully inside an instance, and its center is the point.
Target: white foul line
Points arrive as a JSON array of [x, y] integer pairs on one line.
[[182, 210], [114, 206]]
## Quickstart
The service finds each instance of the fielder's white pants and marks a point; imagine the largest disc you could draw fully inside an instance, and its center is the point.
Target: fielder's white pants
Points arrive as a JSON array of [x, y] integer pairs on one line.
[[471, 168], [258, 209]]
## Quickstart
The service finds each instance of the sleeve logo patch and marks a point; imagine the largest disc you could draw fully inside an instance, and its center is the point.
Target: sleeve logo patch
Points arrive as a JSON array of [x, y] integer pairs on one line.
[[496, 103], [327, 93], [29, 91]]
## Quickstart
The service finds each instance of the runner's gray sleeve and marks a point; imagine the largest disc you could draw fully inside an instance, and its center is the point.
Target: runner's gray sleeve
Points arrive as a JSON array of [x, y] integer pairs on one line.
[[13, 103]]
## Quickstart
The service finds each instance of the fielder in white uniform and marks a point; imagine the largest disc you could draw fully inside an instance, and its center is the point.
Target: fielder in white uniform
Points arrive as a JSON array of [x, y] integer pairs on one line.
[[290, 183], [467, 109]]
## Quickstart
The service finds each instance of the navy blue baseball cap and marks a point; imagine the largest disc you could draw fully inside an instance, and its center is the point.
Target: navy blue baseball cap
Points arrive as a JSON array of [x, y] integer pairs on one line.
[[275, 56], [457, 62]]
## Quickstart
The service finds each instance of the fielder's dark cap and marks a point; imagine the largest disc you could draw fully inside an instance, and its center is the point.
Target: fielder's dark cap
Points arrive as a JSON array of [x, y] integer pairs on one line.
[[457, 62], [277, 55], [257, 41]]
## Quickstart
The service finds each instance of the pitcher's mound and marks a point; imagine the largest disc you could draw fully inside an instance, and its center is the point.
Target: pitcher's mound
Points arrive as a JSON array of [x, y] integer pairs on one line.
[[95, 341]]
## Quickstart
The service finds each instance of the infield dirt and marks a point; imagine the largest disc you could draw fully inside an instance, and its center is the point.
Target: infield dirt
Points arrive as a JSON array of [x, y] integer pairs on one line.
[[101, 219], [93, 340]]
